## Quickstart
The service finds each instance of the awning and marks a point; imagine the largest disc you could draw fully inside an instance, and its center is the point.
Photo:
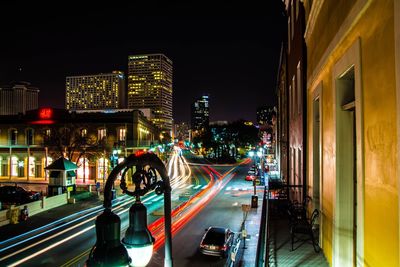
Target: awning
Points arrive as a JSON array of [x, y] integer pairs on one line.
[[62, 164], [71, 174]]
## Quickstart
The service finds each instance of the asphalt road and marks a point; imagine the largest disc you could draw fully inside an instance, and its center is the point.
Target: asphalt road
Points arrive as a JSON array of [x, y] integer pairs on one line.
[[70, 247], [224, 210], [71, 242]]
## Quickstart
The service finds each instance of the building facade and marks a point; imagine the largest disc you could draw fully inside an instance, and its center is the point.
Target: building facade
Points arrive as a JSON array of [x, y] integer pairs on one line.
[[296, 93], [92, 139], [99, 91], [265, 114], [150, 86], [353, 122], [18, 97], [282, 134], [200, 113]]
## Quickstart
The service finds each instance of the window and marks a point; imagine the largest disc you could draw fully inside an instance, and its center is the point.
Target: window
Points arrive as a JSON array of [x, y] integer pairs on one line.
[[121, 134], [102, 134], [29, 136], [102, 169], [13, 136], [47, 135], [299, 88], [294, 95], [83, 169], [290, 101], [46, 162], [83, 132], [289, 34], [31, 168], [292, 17], [14, 166]]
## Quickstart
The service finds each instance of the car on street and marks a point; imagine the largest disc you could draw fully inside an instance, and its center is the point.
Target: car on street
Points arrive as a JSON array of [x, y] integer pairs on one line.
[[249, 177], [18, 195], [216, 241]]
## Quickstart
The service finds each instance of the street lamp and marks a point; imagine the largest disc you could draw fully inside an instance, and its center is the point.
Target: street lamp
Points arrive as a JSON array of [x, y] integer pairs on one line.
[[137, 246]]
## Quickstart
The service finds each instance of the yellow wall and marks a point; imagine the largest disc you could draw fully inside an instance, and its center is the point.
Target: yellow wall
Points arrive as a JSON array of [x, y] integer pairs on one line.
[[375, 29]]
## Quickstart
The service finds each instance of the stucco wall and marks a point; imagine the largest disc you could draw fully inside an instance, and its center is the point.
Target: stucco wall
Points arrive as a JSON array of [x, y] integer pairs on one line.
[[375, 28]]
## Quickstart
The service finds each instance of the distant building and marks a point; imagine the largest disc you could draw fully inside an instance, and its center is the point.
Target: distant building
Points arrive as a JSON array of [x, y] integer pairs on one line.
[[99, 91], [150, 86], [18, 97], [200, 114], [181, 131], [218, 123], [265, 115]]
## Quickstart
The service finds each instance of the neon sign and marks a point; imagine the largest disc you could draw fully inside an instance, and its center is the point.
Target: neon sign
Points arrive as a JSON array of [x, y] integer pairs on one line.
[[45, 113]]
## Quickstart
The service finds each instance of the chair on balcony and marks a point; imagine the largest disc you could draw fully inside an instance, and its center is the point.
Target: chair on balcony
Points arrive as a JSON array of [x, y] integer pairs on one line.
[[303, 229]]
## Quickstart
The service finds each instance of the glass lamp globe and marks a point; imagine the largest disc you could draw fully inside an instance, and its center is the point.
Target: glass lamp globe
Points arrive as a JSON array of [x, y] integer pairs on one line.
[[138, 240]]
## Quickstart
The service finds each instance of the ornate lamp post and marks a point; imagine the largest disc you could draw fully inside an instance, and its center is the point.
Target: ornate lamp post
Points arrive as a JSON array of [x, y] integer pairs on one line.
[[137, 246]]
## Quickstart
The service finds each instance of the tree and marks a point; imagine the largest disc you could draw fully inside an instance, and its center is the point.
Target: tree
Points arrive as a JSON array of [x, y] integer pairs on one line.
[[71, 142]]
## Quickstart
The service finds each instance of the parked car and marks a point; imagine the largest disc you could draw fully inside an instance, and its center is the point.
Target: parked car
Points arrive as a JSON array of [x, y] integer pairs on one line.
[[216, 241], [17, 195]]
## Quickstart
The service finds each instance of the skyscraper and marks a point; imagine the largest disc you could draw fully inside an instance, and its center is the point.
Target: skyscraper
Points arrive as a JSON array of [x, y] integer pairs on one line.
[[200, 114], [99, 91], [150, 86], [265, 114], [18, 97]]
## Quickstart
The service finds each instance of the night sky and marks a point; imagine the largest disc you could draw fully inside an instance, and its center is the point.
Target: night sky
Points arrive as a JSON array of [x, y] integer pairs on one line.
[[229, 51]]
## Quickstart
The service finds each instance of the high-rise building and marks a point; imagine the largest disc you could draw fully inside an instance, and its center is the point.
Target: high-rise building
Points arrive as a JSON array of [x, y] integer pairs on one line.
[[265, 114], [200, 114], [150, 86], [99, 91], [18, 97]]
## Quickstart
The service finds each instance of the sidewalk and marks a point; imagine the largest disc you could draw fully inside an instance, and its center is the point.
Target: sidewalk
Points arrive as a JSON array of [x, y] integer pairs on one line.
[[252, 225], [280, 244], [46, 217], [280, 247]]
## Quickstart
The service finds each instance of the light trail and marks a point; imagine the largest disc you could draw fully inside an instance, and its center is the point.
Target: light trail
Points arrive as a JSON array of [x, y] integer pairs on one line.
[[51, 246], [69, 229], [196, 202]]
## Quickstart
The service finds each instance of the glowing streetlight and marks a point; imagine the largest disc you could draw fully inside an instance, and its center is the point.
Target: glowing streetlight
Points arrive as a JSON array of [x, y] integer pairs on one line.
[[137, 246]]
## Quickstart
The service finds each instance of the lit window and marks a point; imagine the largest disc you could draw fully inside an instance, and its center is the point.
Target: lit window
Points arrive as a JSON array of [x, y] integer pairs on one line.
[[83, 169], [102, 133], [83, 132], [122, 134], [14, 166], [47, 133], [31, 168], [102, 170]]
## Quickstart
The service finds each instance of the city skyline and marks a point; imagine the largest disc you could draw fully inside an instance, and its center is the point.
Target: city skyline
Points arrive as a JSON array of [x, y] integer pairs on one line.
[[231, 53]]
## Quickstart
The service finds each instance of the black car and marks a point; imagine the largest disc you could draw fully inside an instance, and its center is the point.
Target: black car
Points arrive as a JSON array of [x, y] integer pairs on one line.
[[216, 241], [17, 195]]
